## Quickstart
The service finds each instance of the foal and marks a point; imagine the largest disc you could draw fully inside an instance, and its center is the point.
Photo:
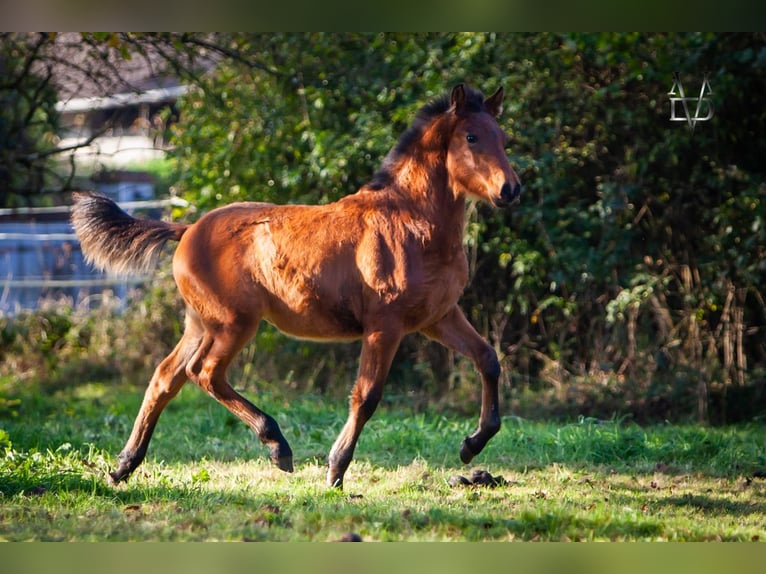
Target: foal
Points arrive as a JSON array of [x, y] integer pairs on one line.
[[383, 262]]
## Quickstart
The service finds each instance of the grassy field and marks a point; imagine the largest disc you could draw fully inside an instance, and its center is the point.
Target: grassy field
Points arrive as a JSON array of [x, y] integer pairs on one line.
[[207, 477]]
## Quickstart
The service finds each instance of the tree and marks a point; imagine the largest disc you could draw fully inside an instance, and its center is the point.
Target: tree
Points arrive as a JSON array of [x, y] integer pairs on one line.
[[315, 119], [629, 280], [638, 245], [39, 69], [27, 116]]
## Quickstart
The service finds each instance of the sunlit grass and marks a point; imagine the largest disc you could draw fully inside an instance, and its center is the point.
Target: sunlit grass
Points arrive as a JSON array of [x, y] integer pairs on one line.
[[207, 477]]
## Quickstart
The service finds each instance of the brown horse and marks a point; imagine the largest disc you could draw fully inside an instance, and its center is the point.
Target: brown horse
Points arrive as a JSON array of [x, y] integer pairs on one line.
[[375, 265]]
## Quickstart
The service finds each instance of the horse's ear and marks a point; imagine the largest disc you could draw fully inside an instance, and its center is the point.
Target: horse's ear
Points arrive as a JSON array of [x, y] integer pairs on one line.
[[494, 103], [457, 98]]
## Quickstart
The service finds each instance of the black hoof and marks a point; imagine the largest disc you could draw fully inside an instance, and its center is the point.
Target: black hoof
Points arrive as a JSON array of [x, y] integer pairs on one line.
[[335, 483], [119, 475], [128, 462], [466, 454], [284, 463], [282, 457]]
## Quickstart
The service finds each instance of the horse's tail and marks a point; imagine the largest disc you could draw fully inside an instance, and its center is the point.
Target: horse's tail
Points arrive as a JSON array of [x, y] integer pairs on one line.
[[116, 242]]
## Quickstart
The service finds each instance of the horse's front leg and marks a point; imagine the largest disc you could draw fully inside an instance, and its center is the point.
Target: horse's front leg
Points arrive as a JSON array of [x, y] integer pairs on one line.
[[456, 333], [378, 350]]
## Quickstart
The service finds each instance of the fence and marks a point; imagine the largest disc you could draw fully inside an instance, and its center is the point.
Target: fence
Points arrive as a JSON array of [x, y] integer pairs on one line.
[[40, 258]]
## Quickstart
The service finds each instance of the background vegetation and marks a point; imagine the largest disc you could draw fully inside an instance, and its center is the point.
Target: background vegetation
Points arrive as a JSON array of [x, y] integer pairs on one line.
[[629, 281]]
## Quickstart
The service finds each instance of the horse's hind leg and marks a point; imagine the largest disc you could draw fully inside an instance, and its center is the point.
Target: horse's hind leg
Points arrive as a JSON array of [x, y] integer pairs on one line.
[[167, 380], [456, 333], [208, 369]]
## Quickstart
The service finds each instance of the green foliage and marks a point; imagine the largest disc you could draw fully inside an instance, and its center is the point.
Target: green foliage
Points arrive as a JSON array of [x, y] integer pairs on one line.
[[315, 127], [28, 119], [635, 239], [58, 345], [628, 280]]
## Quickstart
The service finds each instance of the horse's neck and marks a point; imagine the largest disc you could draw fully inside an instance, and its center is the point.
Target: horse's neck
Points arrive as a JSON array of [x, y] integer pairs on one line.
[[421, 178], [429, 190], [432, 201]]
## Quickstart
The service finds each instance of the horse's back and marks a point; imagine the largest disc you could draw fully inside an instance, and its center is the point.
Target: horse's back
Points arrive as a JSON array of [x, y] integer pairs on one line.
[[292, 265]]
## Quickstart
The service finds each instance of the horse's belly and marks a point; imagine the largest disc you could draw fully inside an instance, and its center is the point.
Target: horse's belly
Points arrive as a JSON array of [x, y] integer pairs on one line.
[[315, 321], [321, 306]]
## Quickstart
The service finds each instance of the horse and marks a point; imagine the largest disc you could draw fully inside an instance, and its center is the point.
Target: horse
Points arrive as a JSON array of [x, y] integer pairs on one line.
[[377, 264]]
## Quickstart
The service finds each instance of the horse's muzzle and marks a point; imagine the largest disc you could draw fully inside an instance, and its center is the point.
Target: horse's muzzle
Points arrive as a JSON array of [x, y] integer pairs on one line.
[[509, 194]]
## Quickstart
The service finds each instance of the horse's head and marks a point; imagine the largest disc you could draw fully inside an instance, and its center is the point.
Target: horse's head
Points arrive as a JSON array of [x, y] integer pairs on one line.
[[476, 159]]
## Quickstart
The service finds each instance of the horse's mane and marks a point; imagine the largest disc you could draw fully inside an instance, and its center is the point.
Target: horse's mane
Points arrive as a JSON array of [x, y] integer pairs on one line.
[[474, 102]]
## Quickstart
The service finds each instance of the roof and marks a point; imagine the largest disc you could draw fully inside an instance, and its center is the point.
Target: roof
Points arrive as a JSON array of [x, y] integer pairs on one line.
[[88, 69], [90, 74], [155, 96]]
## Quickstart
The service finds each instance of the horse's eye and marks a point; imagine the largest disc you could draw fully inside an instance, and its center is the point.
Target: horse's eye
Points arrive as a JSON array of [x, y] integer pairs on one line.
[[471, 138]]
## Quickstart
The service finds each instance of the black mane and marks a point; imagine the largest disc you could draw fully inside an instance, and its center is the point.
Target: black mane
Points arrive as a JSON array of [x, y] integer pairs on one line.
[[474, 102]]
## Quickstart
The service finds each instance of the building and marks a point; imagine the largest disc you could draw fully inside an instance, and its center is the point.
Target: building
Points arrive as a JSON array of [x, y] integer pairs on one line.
[[114, 111], [113, 118]]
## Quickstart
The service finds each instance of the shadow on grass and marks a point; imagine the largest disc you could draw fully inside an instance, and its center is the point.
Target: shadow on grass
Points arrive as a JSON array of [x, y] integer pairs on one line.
[[53, 484], [395, 518], [714, 506], [59, 485]]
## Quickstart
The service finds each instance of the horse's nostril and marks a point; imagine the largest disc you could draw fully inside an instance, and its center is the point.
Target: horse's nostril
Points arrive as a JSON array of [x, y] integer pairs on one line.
[[509, 193]]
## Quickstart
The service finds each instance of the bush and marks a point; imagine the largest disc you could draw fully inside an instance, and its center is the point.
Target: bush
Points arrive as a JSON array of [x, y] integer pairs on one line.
[[629, 278], [638, 248], [61, 345]]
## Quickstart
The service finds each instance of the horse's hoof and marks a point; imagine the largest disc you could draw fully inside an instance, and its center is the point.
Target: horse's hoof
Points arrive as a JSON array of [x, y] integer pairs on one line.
[[466, 454], [282, 457], [336, 483], [118, 476], [285, 463]]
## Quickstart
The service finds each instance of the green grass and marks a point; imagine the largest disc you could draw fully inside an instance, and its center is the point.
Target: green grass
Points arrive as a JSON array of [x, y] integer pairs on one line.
[[207, 477]]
